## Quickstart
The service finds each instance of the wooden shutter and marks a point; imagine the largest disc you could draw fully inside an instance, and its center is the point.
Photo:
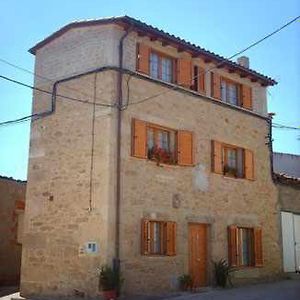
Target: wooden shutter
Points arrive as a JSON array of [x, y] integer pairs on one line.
[[217, 157], [143, 58], [170, 238], [139, 138], [201, 79], [249, 164], [233, 245], [145, 237], [184, 78], [246, 97], [258, 249], [215, 85], [185, 148]]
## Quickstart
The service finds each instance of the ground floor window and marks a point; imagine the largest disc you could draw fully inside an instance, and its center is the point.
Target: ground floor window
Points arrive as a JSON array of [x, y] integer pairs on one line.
[[158, 237], [245, 246]]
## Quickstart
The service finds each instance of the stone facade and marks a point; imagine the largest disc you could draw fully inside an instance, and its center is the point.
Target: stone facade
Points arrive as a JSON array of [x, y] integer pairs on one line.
[[12, 197], [71, 189]]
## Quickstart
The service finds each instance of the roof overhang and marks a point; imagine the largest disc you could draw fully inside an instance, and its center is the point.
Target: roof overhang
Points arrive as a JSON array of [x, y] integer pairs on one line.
[[166, 39]]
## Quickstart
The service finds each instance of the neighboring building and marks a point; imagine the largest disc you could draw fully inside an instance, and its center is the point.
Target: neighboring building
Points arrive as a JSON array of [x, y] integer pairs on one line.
[[190, 183], [287, 176], [284, 163], [12, 197]]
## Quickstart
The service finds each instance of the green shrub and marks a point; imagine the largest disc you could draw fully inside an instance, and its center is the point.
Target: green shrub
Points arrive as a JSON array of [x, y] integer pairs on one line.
[[185, 282], [222, 273]]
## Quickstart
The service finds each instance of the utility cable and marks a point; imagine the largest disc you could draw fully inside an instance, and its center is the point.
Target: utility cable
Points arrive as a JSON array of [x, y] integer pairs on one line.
[[221, 62], [43, 77], [50, 93]]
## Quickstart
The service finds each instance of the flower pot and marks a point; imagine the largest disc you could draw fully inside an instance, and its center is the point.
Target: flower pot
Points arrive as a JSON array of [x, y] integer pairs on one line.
[[110, 295]]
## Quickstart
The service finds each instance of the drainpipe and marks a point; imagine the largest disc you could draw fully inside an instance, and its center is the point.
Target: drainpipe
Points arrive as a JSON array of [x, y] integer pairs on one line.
[[116, 260], [271, 146]]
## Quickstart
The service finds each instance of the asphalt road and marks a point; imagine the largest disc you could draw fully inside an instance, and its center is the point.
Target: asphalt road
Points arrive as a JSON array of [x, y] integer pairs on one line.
[[281, 290]]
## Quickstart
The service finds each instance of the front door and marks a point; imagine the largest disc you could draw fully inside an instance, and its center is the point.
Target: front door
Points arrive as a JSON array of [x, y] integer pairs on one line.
[[198, 254]]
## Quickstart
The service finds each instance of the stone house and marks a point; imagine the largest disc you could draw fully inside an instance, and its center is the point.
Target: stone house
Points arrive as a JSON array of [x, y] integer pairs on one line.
[[150, 152], [12, 203]]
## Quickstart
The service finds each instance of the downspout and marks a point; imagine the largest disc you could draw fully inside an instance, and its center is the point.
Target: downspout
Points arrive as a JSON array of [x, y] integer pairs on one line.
[[116, 261], [270, 144]]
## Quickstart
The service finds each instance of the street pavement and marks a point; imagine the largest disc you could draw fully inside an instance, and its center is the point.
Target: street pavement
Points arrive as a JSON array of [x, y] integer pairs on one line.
[[280, 290]]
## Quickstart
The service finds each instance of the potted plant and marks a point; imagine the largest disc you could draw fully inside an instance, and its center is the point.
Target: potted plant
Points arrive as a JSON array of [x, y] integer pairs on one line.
[[230, 171], [185, 282], [223, 273], [109, 282], [160, 155]]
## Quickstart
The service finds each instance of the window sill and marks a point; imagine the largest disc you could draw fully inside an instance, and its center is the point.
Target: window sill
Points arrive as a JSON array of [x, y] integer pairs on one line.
[[232, 177]]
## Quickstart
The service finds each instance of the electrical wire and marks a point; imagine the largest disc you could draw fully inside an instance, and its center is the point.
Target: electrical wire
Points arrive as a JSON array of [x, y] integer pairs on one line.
[[50, 93], [43, 77], [281, 126], [221, 62]]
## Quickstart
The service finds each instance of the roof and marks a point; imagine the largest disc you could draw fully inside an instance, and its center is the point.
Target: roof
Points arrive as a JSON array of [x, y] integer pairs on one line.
[[12, 179], [286, 179], [144, 29], [285, 163]]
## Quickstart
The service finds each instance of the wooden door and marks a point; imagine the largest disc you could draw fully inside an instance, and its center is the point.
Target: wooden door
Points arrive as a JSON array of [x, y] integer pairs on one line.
[[198, 254]]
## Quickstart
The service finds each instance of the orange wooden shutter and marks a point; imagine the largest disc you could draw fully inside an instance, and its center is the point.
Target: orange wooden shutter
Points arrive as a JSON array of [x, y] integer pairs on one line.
[[201, 79], [185, 148], [143, 58], [258, 249], [233, 245], [184, 72], [247, 97], [170, 238], [145, 237], [249, 164], [139, 139], [215, 85], [217, 157]]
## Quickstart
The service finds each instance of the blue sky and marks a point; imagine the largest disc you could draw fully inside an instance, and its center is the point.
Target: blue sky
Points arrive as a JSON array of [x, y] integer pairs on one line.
[[222, 26]]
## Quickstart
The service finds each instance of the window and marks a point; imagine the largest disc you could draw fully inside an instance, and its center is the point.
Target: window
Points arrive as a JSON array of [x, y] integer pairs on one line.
[[158, 237], [230, 92], [233, 159], [161, 144], [245, 246], [245, 242], [161, 67]]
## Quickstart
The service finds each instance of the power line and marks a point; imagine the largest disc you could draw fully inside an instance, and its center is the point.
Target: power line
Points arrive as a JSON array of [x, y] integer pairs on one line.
[[21, 120], [50, 93], [221, 62], [42, 77], [281, 126]]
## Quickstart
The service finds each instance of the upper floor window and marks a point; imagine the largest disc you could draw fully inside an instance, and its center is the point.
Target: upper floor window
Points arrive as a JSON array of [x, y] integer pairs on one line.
[[230, 92], [162, 144], [161, 67], [232, 161], [233, 158]]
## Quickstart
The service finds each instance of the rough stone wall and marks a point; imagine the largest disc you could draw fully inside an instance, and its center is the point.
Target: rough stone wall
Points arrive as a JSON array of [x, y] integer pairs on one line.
[[148, 190], [11, 191], [70, 200], [289, 197]]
